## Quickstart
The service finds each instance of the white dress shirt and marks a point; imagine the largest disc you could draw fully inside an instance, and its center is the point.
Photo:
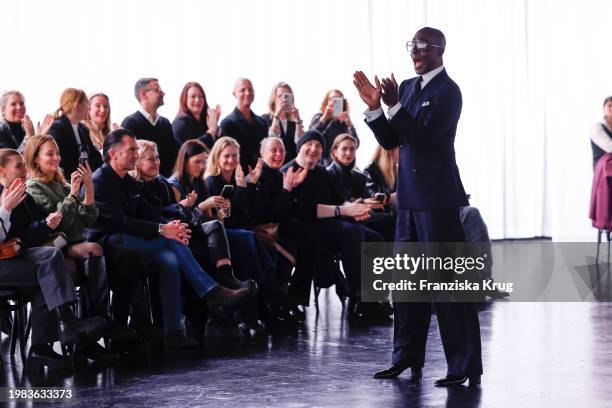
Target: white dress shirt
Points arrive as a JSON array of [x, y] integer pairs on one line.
[[148, 117]]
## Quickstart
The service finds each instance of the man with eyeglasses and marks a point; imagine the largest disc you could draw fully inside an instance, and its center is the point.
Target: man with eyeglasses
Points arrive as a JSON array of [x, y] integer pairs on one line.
[[147, 124], [423, 114]]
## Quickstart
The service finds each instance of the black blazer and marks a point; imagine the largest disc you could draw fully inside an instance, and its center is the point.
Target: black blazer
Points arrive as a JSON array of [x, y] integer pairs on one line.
[[348, 182], [11, 135], [62, 132], [28, 223], [247, 134], [186, 127], [123, 207], [161, 134], [288, 137], [424, 128], [271, 202]]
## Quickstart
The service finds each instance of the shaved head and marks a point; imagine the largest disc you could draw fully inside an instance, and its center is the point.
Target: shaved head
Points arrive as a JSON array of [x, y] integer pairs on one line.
[[434, 35]]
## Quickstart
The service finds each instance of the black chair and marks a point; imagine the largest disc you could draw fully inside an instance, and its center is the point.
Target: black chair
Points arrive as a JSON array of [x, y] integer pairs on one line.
[[327, 278], [14, 302]]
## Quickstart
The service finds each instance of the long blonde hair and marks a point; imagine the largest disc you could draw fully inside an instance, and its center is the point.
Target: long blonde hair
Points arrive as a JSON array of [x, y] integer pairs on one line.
[[212, 166], [30, 154], [143, 147], [384, 159]]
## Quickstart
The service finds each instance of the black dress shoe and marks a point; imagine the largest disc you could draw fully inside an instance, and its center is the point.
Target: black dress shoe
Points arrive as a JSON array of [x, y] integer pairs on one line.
[[93, 351], [396, 369], [474, 381], [43, 355], [451, 380]]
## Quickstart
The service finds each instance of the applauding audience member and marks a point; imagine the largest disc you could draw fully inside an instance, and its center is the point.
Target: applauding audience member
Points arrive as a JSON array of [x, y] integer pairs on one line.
[[98, 119], [283, 118], [39, 271], [195, 119], [15, 125], [243, 125], [128, 219], [72, 137], [333, 120], [338, 223], [147, 124]]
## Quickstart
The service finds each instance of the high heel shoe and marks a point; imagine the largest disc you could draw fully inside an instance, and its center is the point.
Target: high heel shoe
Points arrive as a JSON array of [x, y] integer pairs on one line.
[[69, 327]]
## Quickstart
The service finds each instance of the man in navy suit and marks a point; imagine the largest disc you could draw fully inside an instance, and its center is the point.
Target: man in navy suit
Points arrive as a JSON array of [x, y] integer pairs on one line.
[[423, 115]]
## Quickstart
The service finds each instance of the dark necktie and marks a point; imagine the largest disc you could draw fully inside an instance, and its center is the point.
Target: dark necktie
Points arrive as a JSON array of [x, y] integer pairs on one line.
[[417, 89]]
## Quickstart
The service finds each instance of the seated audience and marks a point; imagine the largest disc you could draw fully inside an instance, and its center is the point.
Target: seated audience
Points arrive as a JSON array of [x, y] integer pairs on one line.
[[127, 218], [195, 119], [39, 271], [319, 204], [350, 183], [72, 137], [98, 119], [48, 188], [283, 118], [147, 124], [382, 175], [332, 124], [243, 125]]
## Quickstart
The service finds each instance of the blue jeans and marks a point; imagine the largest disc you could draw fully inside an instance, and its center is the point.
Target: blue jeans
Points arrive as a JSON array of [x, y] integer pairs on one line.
[[173, 259], [250, 258]]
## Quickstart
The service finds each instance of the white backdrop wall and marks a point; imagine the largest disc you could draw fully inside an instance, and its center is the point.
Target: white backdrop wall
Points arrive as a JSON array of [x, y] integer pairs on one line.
[[533, 76]]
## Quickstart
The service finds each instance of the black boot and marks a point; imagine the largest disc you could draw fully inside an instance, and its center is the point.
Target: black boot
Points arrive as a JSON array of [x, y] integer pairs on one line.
[[94, 270], [69, 327], [42, 355], [225, 277], [222, 296], [277, 296]]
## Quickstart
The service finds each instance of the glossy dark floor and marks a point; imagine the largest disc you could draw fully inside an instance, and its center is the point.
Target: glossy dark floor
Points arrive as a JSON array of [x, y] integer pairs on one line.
[[535, 355]]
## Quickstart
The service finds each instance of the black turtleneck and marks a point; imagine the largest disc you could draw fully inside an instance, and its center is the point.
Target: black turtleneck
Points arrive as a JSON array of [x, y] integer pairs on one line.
[[347, 181], [11, 135]]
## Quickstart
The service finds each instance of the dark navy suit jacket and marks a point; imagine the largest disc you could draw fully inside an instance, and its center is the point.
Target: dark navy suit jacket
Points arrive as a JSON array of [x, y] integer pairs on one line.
[[424, 128]]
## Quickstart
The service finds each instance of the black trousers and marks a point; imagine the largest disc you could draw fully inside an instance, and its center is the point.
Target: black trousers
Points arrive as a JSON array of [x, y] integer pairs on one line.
[[41, 274], [345, 236], [458, 322]]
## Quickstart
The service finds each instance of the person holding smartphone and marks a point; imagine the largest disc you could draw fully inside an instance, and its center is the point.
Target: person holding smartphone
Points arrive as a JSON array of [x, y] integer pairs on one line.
[[331, 121], [283, 118]]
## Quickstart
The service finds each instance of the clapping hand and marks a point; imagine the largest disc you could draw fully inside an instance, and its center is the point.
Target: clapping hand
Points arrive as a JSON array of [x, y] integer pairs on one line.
[[239, 174], [254, 174], [13, 195], [28, 126], [212, 119], [43, 129], [368, 93], [390, 93]]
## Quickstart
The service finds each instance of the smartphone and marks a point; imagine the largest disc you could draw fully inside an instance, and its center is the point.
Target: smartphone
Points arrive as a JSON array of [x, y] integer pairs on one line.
[[337, 106], [227, 191], [380, 197], [83, 157], [287, 97]]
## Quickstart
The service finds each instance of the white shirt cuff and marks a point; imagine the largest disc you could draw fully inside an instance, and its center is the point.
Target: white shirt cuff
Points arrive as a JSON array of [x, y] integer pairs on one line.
[[6, 218], [393, 110], [373, 115]]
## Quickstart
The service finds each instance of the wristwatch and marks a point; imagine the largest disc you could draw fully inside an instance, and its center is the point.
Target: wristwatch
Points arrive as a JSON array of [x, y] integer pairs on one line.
[[160, 229]]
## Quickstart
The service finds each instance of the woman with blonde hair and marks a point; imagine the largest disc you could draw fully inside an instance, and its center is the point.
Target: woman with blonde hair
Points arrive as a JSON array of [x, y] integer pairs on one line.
[[72, 136], [98, 119], [332, 123], [49, 189], [283, 118], [15, 125], [382, 174]]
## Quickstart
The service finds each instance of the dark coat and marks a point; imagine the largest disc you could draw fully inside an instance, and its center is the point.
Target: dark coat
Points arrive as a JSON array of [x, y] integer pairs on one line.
[[62, 132]]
